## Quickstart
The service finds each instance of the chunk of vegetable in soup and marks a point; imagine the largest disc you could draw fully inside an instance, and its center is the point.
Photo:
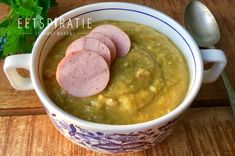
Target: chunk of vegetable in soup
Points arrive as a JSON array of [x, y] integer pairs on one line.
[[147, 83]]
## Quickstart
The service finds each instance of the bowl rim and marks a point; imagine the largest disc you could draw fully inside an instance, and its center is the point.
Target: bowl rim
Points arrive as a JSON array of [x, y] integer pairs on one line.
[[63, 115]]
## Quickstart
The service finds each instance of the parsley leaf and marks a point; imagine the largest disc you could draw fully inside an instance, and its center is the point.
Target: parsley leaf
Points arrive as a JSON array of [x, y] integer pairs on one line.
[[20, 29]]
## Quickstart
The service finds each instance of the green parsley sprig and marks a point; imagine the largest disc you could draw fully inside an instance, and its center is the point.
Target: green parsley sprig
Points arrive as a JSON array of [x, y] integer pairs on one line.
[[15, 38]]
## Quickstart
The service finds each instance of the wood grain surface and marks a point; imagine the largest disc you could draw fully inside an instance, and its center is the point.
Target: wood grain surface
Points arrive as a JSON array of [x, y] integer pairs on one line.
[[208, 132], [14, 102]]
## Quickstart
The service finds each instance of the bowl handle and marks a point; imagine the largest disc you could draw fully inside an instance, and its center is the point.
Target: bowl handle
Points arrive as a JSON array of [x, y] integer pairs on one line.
[[218, 57], [11, 64]]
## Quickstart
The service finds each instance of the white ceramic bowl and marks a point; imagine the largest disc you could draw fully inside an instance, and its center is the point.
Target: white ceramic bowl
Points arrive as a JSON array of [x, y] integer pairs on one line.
[[115, 138]]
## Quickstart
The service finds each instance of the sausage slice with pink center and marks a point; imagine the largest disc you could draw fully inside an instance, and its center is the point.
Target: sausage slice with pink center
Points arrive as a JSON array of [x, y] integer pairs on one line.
[[92, 44], [120, 39], [83, 73], [106, 40]]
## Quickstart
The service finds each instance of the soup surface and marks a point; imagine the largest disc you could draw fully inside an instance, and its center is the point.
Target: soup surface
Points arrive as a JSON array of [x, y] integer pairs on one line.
[[147, 83]]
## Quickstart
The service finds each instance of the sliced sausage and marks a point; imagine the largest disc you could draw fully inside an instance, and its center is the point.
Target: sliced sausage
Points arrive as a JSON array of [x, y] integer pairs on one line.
[[83, 73], [92, 44], [106, 40], [119, 38]]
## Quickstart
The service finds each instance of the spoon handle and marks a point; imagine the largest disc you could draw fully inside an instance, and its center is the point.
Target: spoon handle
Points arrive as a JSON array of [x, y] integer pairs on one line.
[[229, 89]]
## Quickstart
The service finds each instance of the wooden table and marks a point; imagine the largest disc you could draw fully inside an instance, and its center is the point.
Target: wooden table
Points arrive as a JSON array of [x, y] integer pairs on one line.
[[207, 129]]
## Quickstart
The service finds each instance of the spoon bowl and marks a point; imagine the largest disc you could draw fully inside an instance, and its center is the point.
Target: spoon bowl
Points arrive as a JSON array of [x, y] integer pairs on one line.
[[201, 24]]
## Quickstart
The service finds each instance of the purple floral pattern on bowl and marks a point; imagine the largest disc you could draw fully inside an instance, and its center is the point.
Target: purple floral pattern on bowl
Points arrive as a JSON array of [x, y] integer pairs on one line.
[[115, 142]]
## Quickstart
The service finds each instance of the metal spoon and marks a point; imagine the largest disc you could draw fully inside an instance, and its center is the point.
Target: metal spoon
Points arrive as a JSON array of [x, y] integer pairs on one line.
[[202, 25]]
